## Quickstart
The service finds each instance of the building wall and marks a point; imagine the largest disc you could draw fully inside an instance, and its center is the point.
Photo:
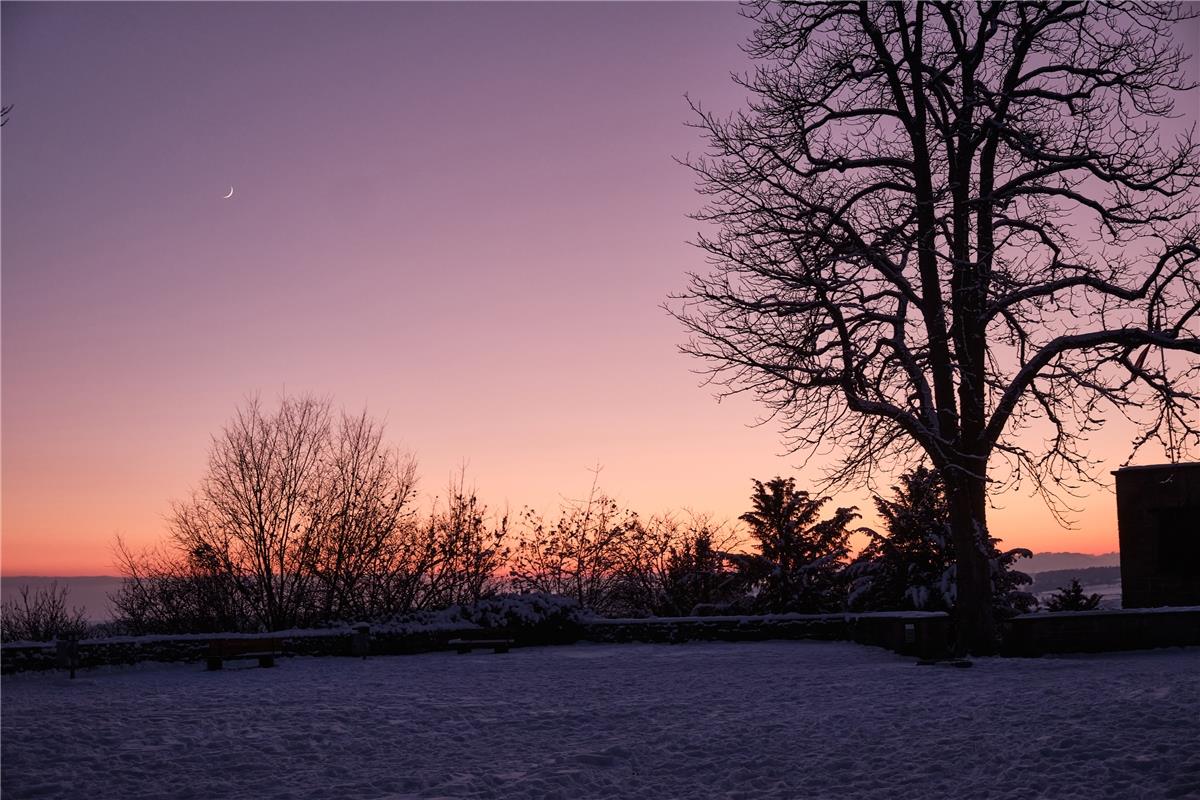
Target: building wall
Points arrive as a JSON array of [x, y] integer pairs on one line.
[[1158, 517]]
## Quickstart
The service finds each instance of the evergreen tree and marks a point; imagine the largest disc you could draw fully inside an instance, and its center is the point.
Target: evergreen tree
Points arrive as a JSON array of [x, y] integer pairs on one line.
[[698, 574], [913, 565], [800, 559], [1072, 598]]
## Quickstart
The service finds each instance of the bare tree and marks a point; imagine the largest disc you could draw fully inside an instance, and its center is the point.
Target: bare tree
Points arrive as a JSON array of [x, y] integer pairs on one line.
[[364, 505], [259, 511], [399, 581], [170, 592], [579, 555], [670, 564], [305, 519], [951, 232], [467, 548], [39, 615]]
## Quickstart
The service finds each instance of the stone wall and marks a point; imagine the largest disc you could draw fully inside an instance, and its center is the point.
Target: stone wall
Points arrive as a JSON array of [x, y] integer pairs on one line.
[[28, 656], [726, 629], [32, 656], [917, 634], [909, 633], [1100, 631], [914, 634], [923, 635]]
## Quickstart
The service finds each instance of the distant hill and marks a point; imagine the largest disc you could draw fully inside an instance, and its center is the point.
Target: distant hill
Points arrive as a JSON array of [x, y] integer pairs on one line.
[[87, 592], [1046, 562]]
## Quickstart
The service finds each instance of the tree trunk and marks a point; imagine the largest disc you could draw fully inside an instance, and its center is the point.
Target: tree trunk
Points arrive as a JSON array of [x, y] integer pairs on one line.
[[976, 629]]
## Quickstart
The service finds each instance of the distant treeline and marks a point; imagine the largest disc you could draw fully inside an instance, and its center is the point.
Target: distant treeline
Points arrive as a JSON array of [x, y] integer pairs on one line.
[[308, 518], [1051, 580]]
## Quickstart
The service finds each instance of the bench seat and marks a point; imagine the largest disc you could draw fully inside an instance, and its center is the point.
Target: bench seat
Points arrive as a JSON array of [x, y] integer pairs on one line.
[[464, 646], [222, 650]]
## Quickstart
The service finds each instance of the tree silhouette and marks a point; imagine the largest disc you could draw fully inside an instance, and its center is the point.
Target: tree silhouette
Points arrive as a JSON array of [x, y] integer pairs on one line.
[[800, 555], [39, 615], [913, 565], [910, 567], [579, 556], [953, 232], [302, 517], [698, 573], [1072, 598], [669, 565]]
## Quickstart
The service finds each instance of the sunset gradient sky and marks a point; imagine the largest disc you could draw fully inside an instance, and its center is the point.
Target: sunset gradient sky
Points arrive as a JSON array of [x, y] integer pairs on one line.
[[464, 217]]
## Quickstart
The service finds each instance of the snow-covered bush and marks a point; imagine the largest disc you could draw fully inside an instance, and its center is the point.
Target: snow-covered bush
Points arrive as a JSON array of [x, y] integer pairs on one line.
[[911, 567], [670, 564], [1009, 597], [531, 612], [701, 573]]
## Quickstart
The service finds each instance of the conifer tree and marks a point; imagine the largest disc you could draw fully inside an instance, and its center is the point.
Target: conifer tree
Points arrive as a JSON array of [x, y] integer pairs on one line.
[[1072, 598], [800, 559], [913, 567]]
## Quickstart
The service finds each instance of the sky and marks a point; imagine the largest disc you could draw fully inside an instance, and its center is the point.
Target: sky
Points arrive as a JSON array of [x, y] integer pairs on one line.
[[463, 217]]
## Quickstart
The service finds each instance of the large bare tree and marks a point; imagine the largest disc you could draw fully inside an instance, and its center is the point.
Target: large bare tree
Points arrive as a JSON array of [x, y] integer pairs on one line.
[[302, 518], [257, 516], [960, 233]]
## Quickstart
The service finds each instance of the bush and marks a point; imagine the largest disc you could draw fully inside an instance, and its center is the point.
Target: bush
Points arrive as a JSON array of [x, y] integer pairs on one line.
[[579, 556], [669, 565], [536, 616], [164, 594]]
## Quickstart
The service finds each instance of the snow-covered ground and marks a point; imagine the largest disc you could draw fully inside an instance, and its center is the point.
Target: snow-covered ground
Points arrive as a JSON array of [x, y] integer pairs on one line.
[[770, 719]]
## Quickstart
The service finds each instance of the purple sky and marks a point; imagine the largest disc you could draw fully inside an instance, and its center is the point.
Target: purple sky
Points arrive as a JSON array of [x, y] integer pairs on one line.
[[463, 216]]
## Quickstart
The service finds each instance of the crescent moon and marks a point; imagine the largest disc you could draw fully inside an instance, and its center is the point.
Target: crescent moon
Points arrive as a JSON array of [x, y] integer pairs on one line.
[[230, 193]]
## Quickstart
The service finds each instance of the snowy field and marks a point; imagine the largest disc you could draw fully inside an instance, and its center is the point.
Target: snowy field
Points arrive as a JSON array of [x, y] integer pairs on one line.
[[752, 720]]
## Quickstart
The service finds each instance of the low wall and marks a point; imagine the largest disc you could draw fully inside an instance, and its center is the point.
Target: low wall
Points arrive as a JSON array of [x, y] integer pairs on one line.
[[1099, 631], [919, 634], [916, 633], [924, 635], [32, 656], [725, 629]]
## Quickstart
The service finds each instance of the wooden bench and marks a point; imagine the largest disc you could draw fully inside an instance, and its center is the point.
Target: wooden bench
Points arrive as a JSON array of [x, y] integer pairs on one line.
[[222, 650], [464, 646]]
